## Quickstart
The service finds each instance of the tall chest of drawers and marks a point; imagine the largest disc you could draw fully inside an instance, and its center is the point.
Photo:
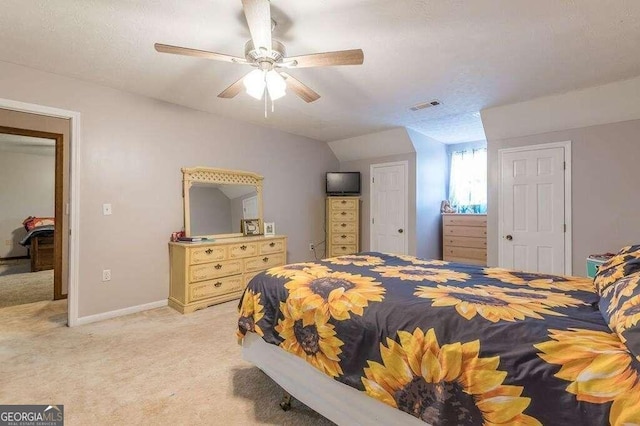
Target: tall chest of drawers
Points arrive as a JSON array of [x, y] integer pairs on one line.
[[207, 273], [342, 226], [464, 238]]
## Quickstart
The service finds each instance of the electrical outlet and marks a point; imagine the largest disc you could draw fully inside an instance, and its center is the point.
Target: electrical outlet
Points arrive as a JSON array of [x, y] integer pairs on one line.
[[8, 242], [312, 247], [106, 275], [106, 209]]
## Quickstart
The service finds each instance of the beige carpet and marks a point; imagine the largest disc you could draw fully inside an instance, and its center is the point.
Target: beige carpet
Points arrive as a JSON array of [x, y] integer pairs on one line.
[[152, 368], [19, 286]]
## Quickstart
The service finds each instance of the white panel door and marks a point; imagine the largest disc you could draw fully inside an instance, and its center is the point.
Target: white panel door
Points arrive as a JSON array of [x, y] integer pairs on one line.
[[533, 210], [250, 208], [389, 206]]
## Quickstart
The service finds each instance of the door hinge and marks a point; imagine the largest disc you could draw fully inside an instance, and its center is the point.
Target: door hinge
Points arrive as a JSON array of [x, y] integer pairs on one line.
[[373, 220], [565, 227], [373, 180], [564, 165]]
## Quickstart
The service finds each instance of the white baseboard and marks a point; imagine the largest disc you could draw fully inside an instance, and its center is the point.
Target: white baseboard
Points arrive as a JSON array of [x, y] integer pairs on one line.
[[121, 312]]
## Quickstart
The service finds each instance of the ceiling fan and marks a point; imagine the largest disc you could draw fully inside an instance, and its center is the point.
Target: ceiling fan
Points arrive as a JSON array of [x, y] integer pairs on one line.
[[269, 56]]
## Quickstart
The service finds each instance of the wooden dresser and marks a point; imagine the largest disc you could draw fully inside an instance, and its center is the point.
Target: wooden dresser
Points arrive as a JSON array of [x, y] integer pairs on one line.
[[343, 226], [207, 273], [464, 238]]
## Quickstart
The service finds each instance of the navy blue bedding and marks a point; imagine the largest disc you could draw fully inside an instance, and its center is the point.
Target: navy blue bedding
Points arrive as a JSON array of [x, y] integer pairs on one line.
[[451, 343], [39, 231]]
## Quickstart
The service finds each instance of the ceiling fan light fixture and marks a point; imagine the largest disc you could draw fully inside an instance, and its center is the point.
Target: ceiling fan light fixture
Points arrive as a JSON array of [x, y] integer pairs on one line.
[[276, 85], [254, 83]]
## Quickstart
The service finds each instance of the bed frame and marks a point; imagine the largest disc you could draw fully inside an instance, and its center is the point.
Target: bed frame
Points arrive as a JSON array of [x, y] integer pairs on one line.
[[41, 252], [336, 401]]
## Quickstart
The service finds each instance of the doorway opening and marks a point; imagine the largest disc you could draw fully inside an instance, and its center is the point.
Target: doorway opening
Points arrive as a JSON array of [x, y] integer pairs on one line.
[[32, 225]]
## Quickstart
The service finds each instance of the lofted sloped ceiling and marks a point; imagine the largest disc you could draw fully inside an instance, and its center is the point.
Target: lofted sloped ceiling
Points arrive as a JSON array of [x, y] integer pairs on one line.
[[469, 55]]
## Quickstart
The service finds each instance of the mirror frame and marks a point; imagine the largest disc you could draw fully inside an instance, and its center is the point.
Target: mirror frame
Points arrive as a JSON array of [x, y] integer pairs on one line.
[[191, 175]]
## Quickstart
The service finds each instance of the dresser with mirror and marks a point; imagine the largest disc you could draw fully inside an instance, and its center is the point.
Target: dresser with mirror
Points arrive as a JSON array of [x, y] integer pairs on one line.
[[218, 268]]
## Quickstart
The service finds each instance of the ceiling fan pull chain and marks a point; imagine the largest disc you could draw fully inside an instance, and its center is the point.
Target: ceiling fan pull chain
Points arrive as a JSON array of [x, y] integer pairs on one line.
[[266, 95]]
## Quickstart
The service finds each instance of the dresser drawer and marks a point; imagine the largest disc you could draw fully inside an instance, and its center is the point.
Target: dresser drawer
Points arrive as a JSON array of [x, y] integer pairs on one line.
[[213, 270], [338, 204], [470, 253], [242, 250], [469, 261], [345, 238], [343, 215], [472, 242], [339, 250], [465, 220], [249, 276], [267, 247], [260, 263], [465, 231], [207, 254], [343, 227], [206, 289]]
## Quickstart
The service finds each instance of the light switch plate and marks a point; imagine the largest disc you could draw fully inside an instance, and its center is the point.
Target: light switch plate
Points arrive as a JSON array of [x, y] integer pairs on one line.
[[106, 209]]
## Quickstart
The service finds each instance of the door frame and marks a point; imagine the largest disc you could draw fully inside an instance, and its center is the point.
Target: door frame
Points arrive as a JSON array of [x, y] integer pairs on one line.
[[58, 197], [405, 164], [568, 240], [74, 193]]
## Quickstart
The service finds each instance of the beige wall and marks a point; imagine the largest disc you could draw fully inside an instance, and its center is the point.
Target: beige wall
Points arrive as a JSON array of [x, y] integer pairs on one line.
[[131, 154], [605, 187], [42, 123], [26, 189], [364, 167], [431, 181]]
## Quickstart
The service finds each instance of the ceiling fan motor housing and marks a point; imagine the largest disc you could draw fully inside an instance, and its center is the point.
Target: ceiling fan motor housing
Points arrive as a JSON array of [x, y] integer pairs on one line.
[[276, 54]]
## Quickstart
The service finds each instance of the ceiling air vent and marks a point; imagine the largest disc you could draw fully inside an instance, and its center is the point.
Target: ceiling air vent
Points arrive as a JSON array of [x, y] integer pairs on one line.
[[425, 105]]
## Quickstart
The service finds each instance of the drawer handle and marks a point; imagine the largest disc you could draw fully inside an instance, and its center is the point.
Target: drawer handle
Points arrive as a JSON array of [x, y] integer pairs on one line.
[[218, 266], [343, 213], [343, 236], [265, 259], [218, 284], [208, 251], [272, 245], [343, 225], [343, 248], [243, 247], [343, 202]]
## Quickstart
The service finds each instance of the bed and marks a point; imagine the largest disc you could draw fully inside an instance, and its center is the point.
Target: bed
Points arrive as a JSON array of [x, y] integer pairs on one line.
[[376, 338], [40, 242]]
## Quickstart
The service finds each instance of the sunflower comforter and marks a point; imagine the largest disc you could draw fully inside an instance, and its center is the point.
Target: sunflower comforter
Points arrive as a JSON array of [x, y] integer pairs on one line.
[[451, 343]]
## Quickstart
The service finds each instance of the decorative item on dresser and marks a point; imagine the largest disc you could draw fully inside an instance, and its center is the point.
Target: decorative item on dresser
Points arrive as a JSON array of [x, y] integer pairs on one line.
[[207, 273], [216, 267], [464, 238], [343, 226]]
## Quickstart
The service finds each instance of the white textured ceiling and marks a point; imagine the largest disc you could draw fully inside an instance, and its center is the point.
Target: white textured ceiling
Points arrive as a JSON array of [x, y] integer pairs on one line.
[[468, 54]]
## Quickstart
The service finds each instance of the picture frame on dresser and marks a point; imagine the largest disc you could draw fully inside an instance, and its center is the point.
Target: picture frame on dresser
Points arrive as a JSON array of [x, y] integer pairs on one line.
[[250, 227], [269, 228]]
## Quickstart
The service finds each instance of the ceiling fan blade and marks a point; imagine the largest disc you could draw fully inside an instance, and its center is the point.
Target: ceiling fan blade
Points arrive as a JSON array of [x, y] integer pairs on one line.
[[342, 57], [258, 14], [177, 50], [233, 90], [300, 89]]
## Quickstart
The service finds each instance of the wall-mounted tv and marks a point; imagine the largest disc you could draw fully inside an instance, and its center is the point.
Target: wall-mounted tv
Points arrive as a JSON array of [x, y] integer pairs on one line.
[[343, 183]]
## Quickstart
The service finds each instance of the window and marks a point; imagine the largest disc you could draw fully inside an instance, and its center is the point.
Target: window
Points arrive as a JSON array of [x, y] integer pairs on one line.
[[468, 181]]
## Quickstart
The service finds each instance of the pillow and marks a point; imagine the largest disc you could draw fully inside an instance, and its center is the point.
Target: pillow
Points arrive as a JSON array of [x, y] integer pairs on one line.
[[625, 262], [620, 308]]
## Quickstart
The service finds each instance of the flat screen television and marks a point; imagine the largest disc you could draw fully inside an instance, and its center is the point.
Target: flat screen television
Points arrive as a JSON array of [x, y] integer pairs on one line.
[[343, 183]]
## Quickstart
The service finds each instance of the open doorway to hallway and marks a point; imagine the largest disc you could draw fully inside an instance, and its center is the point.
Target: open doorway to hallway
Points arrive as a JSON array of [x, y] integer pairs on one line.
[[33, 220]]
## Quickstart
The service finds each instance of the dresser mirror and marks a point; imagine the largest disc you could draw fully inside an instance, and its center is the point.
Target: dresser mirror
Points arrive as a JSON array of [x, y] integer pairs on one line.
[[217, 200]]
